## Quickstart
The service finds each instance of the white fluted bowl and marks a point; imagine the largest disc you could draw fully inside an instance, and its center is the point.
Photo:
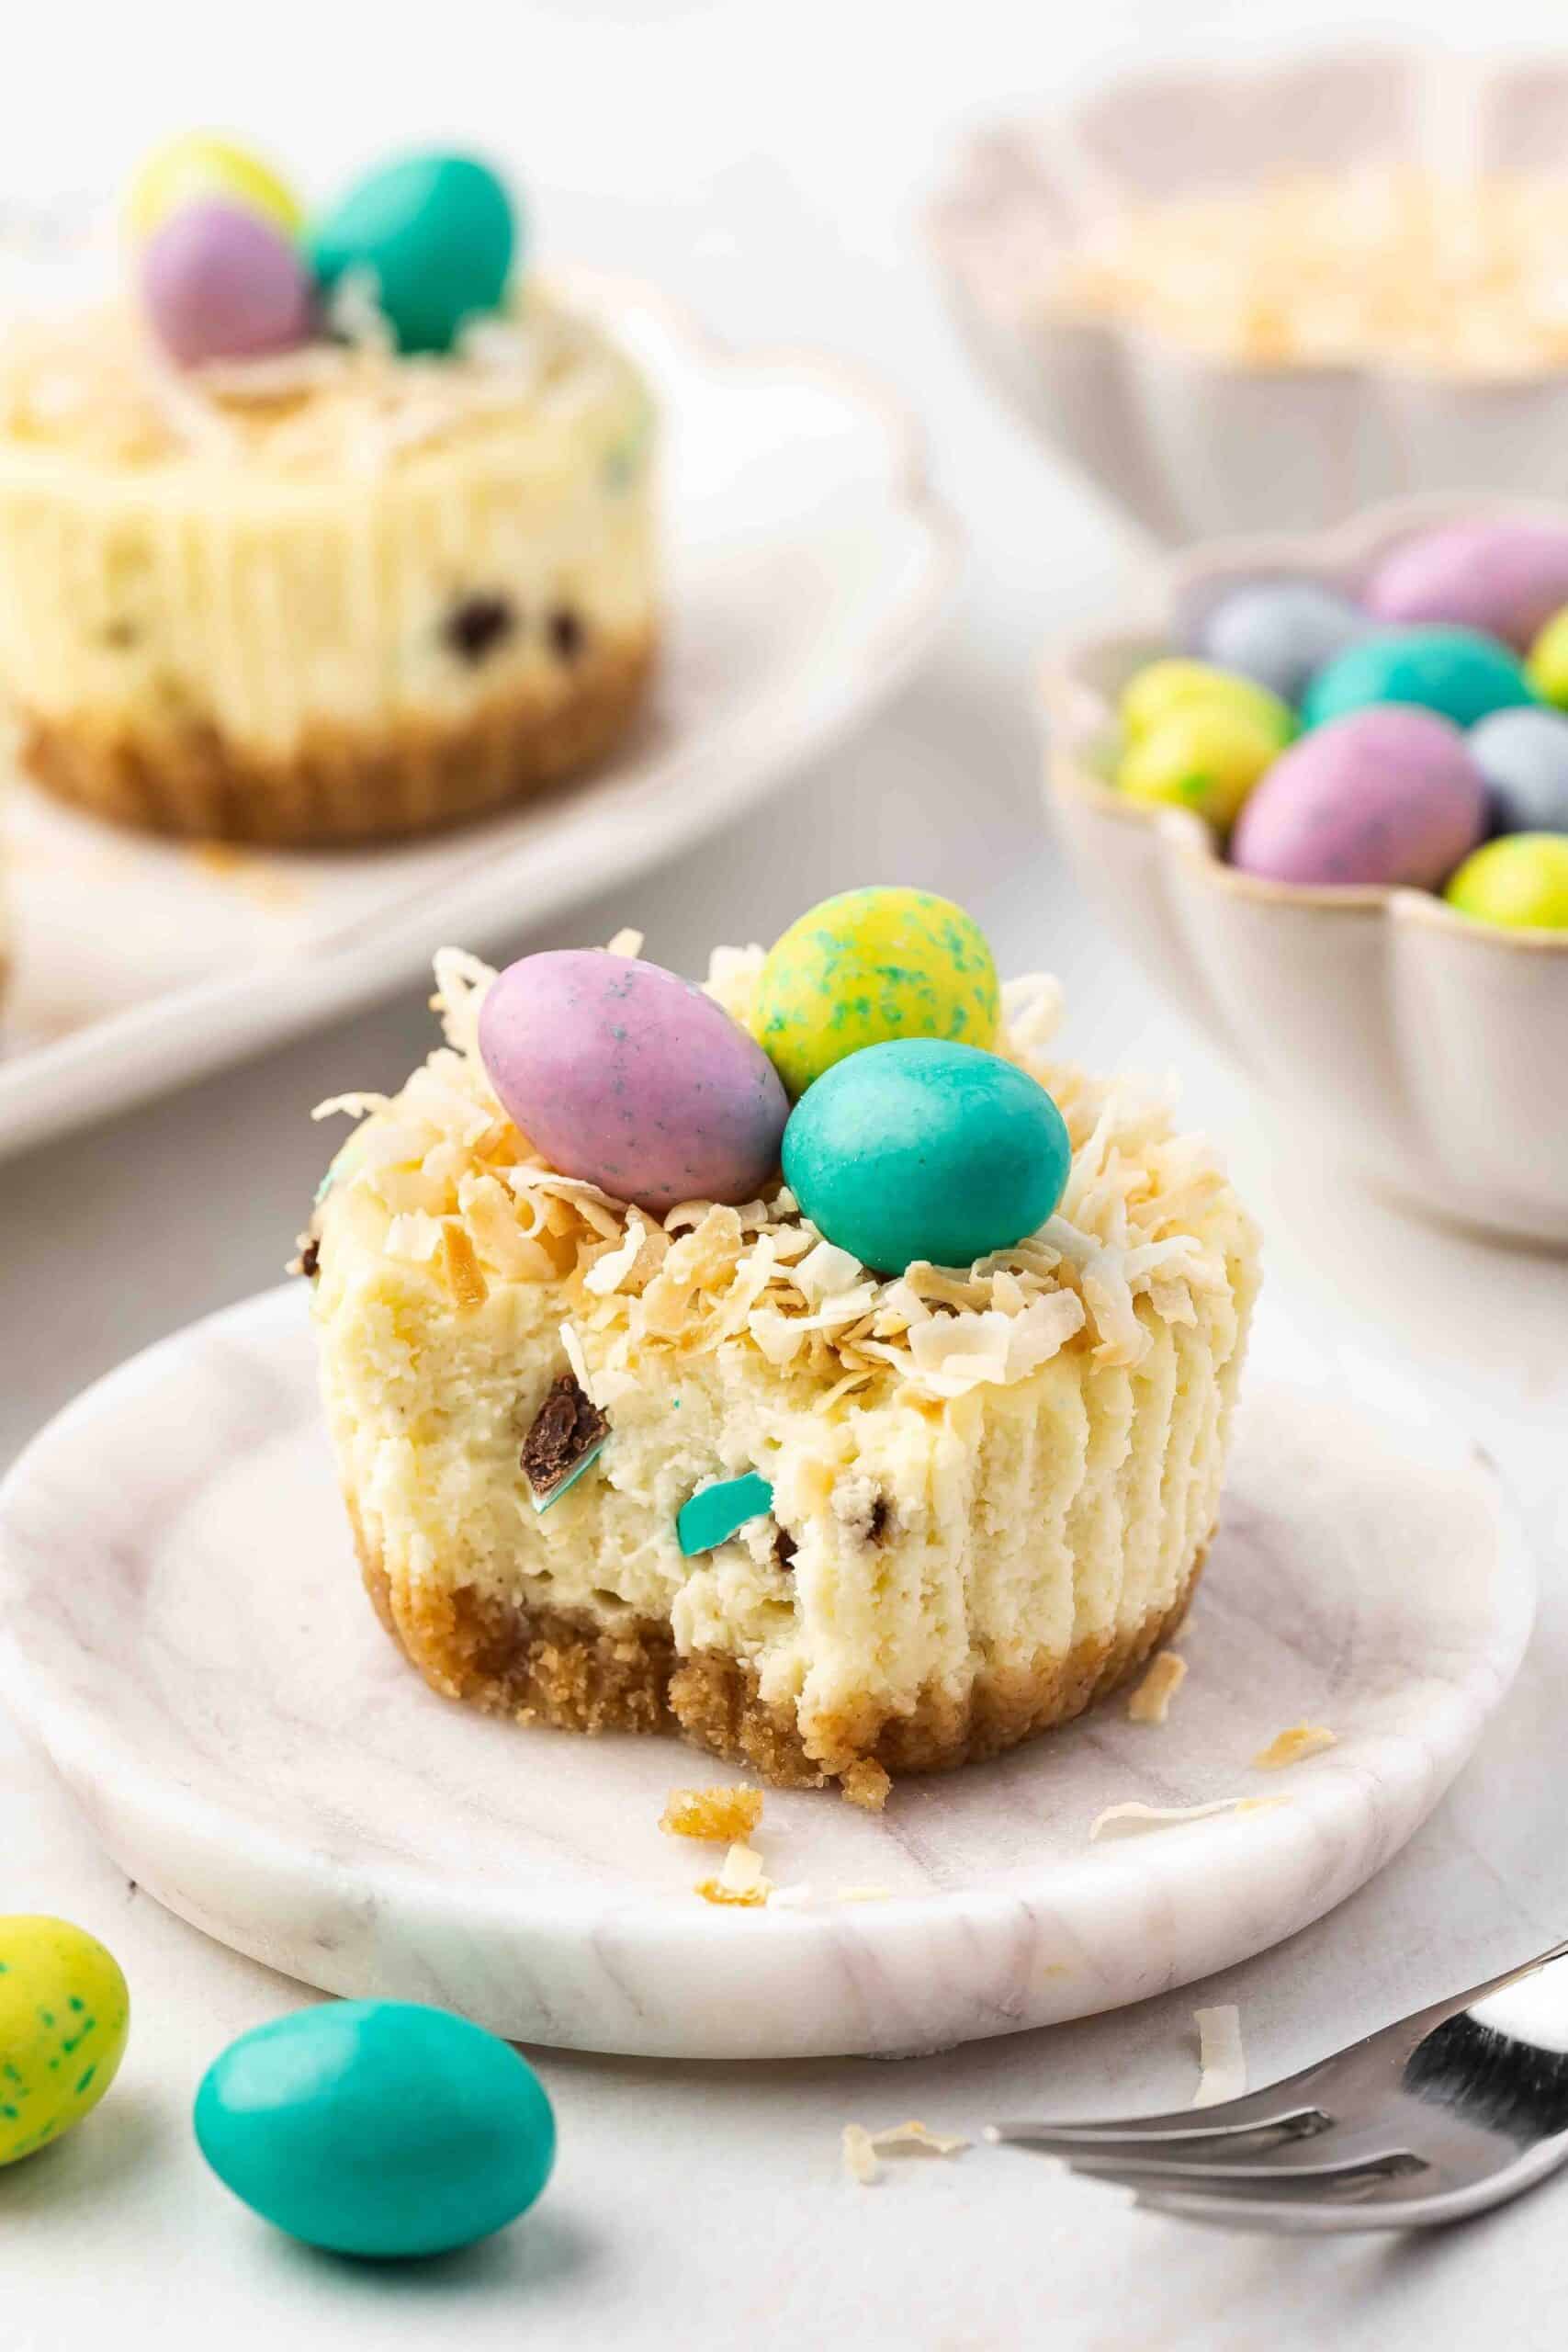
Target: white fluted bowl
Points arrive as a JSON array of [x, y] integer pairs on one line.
[[1433, 1049], [1194, 445]]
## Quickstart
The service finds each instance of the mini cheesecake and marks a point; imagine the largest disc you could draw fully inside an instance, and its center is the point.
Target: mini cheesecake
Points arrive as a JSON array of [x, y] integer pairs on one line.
[[701, 1471], [339, 593]]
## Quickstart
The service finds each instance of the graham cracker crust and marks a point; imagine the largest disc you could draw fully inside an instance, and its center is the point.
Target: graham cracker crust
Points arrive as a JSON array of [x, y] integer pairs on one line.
[[344, 785], [552, 1667]]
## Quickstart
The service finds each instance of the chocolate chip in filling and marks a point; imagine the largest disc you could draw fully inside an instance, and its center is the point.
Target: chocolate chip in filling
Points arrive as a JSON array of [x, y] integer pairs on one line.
[[567, 1431], [566, 633], [479, 624]]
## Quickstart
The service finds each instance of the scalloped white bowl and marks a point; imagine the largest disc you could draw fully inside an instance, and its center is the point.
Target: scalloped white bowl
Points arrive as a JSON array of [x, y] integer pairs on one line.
[[1433, 1049], [1193, 445]]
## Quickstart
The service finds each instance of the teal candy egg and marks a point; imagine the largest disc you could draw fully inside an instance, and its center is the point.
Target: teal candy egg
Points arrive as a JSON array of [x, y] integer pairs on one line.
[[438, 236], [377, 2128], [1456, 672], [917, 1148]]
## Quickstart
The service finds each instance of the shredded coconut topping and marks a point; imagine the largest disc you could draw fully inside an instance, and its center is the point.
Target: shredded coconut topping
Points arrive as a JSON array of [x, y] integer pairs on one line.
[[1143, 1230], [100, 382], [1457, 273]]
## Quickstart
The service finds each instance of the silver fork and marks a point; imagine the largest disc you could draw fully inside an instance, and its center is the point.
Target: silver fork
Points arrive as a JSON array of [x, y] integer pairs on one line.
[[1449, 2111]]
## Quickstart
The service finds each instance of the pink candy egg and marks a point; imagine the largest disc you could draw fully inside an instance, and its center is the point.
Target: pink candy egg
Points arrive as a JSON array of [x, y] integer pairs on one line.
[[621, 1072], [1389, 795], [219, 282], [1506, 579]]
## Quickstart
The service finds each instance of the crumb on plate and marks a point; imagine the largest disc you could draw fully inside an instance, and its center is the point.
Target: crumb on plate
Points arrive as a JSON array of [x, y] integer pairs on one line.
[[866, 1784], [721, 1813]]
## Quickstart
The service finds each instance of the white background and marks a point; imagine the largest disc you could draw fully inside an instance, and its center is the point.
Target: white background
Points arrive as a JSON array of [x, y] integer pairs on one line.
[[767, 162]]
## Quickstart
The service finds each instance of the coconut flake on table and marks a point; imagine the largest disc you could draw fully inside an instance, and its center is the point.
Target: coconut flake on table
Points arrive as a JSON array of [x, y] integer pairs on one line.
[[1222, 2059]]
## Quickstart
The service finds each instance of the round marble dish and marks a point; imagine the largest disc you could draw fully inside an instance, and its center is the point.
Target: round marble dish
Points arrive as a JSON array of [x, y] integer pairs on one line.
[[182, 1626]]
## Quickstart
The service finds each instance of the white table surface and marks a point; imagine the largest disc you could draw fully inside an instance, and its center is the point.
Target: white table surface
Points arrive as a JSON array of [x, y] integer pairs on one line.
[[767, 164]]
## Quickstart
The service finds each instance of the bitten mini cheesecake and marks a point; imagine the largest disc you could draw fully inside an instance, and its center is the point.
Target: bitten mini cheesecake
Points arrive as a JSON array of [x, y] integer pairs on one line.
[[327, 533], [862, 1435]]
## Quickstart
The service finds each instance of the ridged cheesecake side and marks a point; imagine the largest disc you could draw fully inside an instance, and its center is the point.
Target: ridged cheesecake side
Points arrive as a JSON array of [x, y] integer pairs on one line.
[[982, 1520], [336, 597]]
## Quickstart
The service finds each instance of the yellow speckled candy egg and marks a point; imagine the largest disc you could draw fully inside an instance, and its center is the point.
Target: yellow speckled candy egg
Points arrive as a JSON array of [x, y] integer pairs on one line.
[[866, 967], [65, 2014], [1164, 690], [200, 168]]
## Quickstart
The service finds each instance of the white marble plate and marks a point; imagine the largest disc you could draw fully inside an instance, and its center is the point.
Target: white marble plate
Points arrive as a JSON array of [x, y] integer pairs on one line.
[[808, 569], [182, 1626]]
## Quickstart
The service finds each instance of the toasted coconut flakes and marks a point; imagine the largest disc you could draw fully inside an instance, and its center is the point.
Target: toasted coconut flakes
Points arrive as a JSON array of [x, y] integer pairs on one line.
[[718, 1813], [1150, 1702], [824, 1272], [1148, 1235], [742, 1867], [1032, 1009], [353, 1106], [608, 1273], [625, 942], [464, 1279], [1291, 1747], [918, 2136], [714, 1890], [577, 1359], [414, 1238], [863, 2149], [741, 1880], [1133, 1819], [1222, 2061]]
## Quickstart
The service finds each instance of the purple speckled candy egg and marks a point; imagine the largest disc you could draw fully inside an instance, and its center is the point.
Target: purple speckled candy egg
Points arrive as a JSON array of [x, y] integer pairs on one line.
[[1506, 579], [1388, 794], [221, 283], [625, 1074]]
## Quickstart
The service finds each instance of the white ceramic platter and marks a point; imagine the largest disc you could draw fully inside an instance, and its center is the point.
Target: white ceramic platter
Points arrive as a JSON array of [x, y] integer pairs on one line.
[[182, 1627], [808, 569]]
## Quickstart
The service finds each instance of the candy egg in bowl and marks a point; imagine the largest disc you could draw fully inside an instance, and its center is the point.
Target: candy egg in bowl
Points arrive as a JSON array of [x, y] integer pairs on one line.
[[1364, 900], [1262, 296]]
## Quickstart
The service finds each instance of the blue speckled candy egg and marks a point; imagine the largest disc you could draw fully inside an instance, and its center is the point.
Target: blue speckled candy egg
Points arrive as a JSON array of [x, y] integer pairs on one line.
[[1523, 756], [1279, 632], [377, 2128], [625, 1074], [1505, 579], [868, 965], [219, 281], [1386, 794], [436, 237], [922, 1149], [1455, 671]]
